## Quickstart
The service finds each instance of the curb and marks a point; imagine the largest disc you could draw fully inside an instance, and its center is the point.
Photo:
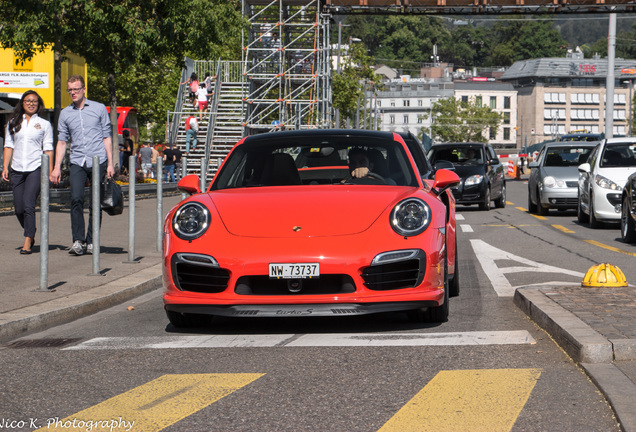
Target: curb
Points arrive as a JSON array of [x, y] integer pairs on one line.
[[21, 322], [578, 339], [619, 391]]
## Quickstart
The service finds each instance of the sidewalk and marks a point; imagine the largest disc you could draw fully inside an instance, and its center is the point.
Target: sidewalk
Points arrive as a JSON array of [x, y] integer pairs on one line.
[[73, 290], [595, 326]]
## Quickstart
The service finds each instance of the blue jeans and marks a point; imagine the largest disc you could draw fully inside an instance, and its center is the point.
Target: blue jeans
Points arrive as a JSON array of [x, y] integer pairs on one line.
[[169, 169], [191, 136]]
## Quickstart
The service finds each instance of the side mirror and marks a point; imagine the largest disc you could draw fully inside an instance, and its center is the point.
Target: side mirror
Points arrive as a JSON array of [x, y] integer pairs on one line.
[[585, 168], [445, 179], [533, 165], [189, 184]]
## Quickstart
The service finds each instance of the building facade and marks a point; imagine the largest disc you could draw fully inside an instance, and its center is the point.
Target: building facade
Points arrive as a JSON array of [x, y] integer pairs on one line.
[[557, 96], [501, 98]]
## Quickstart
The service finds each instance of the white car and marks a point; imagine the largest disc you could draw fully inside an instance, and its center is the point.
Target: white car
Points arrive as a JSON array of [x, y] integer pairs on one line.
[[602, 179]]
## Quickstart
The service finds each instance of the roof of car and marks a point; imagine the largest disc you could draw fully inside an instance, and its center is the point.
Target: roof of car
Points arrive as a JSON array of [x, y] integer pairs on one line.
[[459, 144], [313, 132], [571, 144]]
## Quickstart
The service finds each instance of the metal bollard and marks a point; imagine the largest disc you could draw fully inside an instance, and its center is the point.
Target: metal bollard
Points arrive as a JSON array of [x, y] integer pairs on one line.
[[202, 179], [96, 207], [184, 172], [44, 226], [159, 203], [132, 178]]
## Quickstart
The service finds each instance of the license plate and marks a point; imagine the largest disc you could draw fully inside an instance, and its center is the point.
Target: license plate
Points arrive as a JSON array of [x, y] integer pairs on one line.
[[294, 270]]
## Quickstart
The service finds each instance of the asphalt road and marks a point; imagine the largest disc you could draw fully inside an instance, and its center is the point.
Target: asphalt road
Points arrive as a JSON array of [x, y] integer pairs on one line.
[[368, 373]]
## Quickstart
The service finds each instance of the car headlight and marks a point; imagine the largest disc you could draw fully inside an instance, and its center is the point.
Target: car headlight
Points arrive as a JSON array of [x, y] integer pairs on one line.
[[410, 217], [191, 221], [551, 182], [473, 180], [606, 183]]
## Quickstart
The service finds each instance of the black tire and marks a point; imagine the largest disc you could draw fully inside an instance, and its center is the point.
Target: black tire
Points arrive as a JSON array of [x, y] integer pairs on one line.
[[628, 227], [541, 211], [187, 320], [485, 205], [501, 201], [581, 216], [532, 207], [453, 286], [594, 223]]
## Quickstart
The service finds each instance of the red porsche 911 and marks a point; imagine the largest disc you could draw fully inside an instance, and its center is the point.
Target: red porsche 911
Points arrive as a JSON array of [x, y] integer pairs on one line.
[[314, 223]]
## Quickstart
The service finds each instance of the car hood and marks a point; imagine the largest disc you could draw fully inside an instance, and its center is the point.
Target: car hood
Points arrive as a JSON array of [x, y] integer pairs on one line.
[[562, 173], [618, 175], [270, 212], [465, 171]]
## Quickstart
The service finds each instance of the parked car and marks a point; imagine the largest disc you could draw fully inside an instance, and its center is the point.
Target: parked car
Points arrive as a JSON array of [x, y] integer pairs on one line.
[[628, 210], [285, 229], [602, 179], [554, 176], [482, 175]]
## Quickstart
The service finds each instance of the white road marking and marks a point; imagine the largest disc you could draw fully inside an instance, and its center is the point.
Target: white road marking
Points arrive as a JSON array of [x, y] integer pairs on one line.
[[466, 228], [488, 255], [310, 340], [459, 217]]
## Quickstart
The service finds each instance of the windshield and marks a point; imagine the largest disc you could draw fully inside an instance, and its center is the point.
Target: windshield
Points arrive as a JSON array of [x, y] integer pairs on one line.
[[566, 156], [464, 155], [302, 160], [617, 155]]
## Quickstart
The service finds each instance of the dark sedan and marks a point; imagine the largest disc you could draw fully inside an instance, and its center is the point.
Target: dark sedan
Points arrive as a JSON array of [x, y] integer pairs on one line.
[[628, 211], [481, 173]]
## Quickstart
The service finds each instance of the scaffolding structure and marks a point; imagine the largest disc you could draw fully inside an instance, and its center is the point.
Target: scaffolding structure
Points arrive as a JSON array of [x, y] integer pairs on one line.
[[286, 65]]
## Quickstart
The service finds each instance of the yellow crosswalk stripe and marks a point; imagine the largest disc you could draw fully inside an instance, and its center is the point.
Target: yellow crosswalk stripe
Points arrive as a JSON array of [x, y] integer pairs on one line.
[[488, 400], [154, 405], [564, 229]]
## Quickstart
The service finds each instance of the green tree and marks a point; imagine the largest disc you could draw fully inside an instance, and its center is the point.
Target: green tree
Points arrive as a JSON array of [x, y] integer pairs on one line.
[[522, 39], [348, 86], [457, 121]]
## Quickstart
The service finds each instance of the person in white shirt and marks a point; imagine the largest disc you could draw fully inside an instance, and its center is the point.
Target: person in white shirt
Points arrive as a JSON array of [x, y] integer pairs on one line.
[[27, 136], [202, 98]]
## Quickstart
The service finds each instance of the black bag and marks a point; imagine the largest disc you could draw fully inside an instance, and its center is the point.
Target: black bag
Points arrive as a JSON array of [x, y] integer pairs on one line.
[[112, 198]]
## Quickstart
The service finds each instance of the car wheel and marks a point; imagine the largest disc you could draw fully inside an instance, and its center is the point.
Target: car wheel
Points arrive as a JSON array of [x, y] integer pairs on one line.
[[501, 201], [485, 205], [542, 211], [453, 285], [580, 214], [628, 227], [187, 320], [594, 223], [532, 207]]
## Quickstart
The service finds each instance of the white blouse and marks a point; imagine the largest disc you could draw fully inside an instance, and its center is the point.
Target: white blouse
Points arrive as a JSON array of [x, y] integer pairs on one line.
[[35, 137]]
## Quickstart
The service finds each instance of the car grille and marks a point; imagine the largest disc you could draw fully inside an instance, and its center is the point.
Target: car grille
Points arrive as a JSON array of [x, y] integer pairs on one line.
[[325, 284], [572, 184], [199, 277], [395, 275], [564, 201]]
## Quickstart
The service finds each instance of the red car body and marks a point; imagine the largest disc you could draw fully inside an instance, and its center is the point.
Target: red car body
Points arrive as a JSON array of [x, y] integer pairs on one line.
[[339, 225]]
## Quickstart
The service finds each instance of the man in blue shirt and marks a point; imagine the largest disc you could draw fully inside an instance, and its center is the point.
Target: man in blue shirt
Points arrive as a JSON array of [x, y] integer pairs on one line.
[[87, 125]]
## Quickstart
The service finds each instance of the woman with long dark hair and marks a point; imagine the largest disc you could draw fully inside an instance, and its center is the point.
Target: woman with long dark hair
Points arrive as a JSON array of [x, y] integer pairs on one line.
[[27, 136]]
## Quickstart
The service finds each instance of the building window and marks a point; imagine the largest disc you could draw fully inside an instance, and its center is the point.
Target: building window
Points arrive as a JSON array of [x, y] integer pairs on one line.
[[478, 101], [406, 119], [379, 102], [406, 102], [493, 133], [465, 99], [420, 119], [493, 102], [392, 103], [506, 102], [506, 118], [554, 98], [506, 134], [554, 113], [392, 119], [420, 103]]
